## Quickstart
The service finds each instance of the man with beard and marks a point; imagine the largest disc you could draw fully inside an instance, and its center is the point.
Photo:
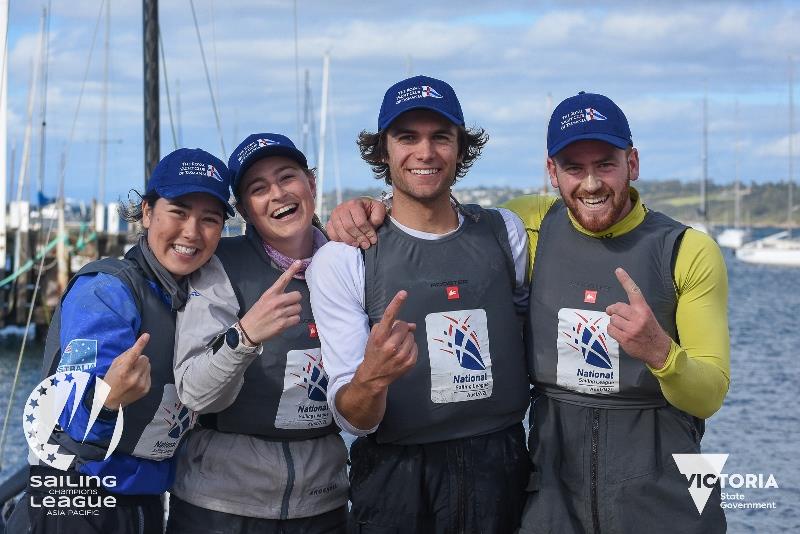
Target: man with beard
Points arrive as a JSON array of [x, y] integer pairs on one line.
[[420, 334], [627, 337]]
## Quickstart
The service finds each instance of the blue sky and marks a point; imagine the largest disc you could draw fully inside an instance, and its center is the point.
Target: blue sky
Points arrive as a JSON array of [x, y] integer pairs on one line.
[[653, 58]]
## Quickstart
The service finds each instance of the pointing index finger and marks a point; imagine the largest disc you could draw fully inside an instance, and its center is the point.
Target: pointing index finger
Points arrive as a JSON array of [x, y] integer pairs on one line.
[[390, 314], [630, 287], [283, 281]]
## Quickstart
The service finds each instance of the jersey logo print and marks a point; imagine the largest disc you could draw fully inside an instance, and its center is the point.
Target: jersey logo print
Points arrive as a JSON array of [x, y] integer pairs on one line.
[[464, 342], [314, 379], [180, 419], [591, 342]]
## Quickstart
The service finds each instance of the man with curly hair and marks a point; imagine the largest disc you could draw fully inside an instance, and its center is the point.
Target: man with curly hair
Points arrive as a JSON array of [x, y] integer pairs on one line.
[[420, 333]]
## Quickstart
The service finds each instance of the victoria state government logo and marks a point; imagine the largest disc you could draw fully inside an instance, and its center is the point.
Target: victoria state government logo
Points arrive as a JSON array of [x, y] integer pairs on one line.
[[704, 472]]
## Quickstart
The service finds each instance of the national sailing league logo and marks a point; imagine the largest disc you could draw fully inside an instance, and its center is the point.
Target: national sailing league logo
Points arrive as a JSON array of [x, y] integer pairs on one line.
[[463, 340], [460, 355], [590, 340], [588, 357], [45, 405], [313, 380]]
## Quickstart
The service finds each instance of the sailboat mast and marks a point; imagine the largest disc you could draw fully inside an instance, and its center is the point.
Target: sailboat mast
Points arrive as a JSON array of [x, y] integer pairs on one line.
[[789, 218], [322, 127], [704, 181], [43, 131], [151, 117], [99, 219], [737, 199], [3, 109]]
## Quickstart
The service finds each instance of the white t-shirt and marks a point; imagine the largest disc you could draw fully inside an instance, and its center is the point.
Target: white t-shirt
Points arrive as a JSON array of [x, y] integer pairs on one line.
[[336, 282]]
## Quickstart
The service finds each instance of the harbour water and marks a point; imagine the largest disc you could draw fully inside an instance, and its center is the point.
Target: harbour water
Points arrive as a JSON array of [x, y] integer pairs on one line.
[[758, 426]]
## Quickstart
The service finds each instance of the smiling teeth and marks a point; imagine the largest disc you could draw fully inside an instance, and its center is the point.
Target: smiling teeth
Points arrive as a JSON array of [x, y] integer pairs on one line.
[[280, 211], [424, 171], [180, 249], [594, 201]]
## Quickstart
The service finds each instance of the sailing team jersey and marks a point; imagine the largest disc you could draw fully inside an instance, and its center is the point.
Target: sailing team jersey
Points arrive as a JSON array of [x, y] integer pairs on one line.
[[284, 392], [570, 353], [696, 374], [106, 307], [266, 446], [470, 378]]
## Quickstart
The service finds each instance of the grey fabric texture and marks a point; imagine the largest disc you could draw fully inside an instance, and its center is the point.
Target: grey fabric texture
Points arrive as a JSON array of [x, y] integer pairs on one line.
[[473, 261]]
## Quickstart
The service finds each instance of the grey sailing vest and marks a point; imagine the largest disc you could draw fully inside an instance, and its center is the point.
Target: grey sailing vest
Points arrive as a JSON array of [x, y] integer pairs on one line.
[[266, 405], [470, 377], [572, 356], [154, 424]]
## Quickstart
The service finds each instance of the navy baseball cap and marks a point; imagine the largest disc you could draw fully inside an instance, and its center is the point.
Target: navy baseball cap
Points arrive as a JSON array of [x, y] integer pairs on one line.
[[259, 146], [191, 170], [420, 92], [587, 116]]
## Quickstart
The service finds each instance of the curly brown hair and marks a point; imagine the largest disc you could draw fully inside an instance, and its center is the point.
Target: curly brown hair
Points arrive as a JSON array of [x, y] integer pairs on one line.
[[373, 150]]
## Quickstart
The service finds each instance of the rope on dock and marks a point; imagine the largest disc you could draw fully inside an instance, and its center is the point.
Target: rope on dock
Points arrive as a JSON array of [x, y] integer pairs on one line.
[[25, 267]]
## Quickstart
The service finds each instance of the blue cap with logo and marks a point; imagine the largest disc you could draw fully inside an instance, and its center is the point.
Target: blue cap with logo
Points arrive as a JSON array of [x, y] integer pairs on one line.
[[420, 92], [259, 146], [587, 116], [191, 170]]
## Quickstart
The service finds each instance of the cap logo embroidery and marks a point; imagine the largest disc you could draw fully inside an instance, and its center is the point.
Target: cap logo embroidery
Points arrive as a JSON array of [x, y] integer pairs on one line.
[[411, 93], [245, 152], [213, 173], [594, 115], [198, 169]]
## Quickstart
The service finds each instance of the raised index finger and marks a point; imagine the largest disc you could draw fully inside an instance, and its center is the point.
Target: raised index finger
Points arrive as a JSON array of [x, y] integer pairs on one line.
[[137, 348], [390, 314], [283, 280], [630, 287]]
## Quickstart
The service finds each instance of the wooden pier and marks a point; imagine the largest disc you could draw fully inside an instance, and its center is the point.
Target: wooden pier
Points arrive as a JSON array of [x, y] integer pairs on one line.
[[35, 238]]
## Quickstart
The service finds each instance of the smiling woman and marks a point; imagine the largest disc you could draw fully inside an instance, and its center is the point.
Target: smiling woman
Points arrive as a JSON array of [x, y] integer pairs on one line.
[[267, 455], [120, 315]]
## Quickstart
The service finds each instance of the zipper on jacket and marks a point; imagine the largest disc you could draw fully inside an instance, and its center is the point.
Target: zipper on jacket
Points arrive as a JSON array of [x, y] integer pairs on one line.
[[287, 493], [140, 514], [593, 468], [461, 506]]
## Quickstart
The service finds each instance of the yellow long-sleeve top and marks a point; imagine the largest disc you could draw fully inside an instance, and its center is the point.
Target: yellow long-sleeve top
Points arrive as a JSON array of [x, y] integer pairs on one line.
[[696, 375]]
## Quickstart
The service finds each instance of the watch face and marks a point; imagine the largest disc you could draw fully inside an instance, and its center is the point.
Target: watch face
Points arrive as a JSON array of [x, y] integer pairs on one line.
[[232, 337]]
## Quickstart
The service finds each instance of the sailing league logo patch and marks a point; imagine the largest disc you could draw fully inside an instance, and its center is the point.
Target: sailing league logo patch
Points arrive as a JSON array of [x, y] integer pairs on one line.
[[588, 358], [458, 349], [44, 407], [304, 402]]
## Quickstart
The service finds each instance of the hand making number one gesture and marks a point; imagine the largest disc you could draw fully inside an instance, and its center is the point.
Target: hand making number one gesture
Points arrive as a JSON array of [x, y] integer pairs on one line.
[[275, 310], [635, 327], [128, 377], [391, 350]]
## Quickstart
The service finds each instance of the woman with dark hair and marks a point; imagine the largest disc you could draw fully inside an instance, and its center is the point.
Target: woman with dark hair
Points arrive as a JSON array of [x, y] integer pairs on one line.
[[266, 456], [116, 322]]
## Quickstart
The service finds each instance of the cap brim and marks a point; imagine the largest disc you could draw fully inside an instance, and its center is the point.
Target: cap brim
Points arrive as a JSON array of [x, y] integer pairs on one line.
[[391, 118], [172, 192], [619, 142], [268, 151]]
